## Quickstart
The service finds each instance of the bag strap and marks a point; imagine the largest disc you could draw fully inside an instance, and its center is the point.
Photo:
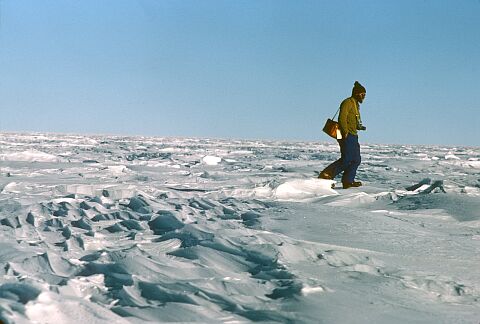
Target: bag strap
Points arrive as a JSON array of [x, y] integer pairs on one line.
[[333, 118], [354, 103], [359, 119]]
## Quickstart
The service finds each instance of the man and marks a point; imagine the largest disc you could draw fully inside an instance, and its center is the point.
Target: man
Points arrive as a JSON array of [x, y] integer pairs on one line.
[[350, 122]]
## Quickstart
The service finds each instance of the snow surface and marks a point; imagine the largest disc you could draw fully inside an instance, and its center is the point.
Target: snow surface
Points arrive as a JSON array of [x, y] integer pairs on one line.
[[100, 229]]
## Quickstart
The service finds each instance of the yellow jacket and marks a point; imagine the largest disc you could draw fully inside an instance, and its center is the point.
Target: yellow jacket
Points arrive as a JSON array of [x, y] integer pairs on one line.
[[349, 118]]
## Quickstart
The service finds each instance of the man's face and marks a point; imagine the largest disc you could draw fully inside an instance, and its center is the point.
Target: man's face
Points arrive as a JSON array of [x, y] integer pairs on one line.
[[361, 97]]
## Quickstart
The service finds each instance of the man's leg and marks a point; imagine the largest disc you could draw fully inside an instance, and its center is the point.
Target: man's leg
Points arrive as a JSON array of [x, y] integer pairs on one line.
[[352, 158], [357, 159], [335, 168]]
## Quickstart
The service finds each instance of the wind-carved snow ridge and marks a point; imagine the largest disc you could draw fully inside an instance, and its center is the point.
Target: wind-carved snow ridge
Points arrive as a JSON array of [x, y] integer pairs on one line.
[[139, 229], [146, 253]]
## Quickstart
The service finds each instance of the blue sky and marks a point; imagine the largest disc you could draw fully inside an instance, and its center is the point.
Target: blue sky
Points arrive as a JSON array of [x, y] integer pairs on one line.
[[241, 69]]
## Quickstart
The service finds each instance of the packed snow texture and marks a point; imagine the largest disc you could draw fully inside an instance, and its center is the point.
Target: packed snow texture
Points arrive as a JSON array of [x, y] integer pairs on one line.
[[133, 229]]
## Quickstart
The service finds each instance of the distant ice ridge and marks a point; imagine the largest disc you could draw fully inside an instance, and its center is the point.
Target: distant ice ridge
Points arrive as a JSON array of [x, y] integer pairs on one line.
[[29, 156], [112, 191]]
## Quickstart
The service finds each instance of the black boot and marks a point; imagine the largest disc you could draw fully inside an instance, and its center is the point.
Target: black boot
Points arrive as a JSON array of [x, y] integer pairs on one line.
[[347, 185], [325, 175]]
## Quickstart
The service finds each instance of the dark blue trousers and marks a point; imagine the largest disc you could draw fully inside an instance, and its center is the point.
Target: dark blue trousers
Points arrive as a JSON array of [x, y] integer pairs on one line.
[[349, 161]]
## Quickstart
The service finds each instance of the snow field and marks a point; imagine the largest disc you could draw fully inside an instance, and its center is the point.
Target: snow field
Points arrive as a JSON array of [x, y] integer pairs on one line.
[[134, 230]]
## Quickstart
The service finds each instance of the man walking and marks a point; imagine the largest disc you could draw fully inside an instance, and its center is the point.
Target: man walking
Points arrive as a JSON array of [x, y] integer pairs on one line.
[[350, 122]]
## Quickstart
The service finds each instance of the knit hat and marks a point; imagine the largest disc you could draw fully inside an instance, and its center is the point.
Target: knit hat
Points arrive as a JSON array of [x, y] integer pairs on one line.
[[358, 88]]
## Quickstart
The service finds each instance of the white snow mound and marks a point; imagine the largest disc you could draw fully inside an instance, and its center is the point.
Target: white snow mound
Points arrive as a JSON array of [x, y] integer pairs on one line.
[[301, 189], [211, 160]]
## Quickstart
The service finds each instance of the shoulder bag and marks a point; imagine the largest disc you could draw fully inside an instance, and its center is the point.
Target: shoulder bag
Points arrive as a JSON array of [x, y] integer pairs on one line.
[[332, 128]]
